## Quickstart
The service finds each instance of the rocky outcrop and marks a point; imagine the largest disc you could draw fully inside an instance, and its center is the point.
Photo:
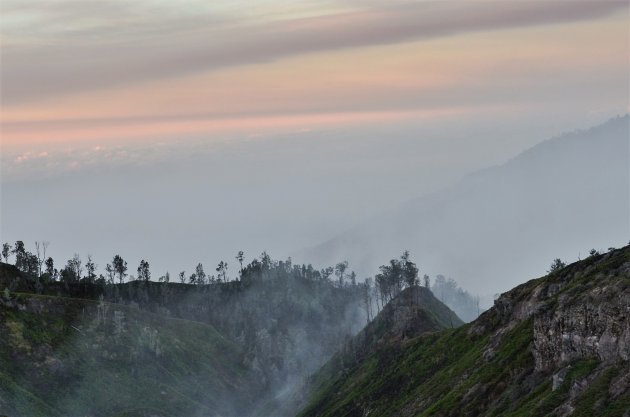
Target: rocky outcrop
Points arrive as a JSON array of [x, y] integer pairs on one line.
[[577, 312], [599, 328]]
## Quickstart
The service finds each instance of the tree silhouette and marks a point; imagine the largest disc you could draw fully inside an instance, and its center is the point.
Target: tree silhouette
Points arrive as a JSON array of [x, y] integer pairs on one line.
[[50, 267], [143, 271], [240, 257], [556, 265], [340, 270], [40, 250], [76, 264], [353, 278], [6, 251], [111, 273], [20, 255], [90, 268], [201, 274], [120, 267], [327, 272], [222, 270]]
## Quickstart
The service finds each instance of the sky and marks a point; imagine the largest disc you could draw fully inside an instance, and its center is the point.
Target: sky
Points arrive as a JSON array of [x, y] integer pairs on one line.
[[183, 131]]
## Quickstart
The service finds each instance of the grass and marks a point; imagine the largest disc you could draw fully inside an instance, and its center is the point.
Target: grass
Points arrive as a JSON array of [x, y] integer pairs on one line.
[[67, 357]]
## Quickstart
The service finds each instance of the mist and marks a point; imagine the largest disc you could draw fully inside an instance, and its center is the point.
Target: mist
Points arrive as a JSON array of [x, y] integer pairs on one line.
[[282, 193], [503, 225]]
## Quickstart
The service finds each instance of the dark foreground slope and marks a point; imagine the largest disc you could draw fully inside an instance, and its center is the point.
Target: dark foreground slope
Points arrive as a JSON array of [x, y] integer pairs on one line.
[[557, 345]]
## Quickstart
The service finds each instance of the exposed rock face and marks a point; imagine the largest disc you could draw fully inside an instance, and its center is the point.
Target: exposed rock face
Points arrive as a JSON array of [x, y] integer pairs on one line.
[[599, 329], [586, 320]]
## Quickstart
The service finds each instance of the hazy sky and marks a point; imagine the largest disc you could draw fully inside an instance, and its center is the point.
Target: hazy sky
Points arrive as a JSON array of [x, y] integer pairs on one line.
[[279, 122]]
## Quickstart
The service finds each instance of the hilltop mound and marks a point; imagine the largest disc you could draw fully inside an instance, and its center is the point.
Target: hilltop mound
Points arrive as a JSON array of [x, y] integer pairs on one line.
[[413, 312]]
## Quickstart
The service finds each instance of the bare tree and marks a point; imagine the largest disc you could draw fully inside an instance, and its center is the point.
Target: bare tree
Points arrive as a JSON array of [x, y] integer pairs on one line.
[[111, 273], [478, 308], [76, 265], [222, 270], [427, 281], [90, 267], [340, 269], [40, 249], [239, 257], [201, 275], [165, 278], [353, 278], [6, 251], [367, 299], [409, 270]]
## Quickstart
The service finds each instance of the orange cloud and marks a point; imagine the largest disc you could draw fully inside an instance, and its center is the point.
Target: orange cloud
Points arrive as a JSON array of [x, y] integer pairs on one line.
[[574, 62], [128, 129]]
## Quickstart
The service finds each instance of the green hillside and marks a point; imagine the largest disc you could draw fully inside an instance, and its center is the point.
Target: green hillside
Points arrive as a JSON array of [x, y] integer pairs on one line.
[[63, 357], [557, 345], [85, 347]]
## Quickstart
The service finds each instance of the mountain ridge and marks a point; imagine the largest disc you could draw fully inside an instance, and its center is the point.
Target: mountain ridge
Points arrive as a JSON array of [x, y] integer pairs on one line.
[[573, 188]]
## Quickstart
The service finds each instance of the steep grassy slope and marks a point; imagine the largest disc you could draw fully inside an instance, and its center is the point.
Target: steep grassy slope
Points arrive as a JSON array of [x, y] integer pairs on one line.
[[558, 345], [72, 357], [413, 312]]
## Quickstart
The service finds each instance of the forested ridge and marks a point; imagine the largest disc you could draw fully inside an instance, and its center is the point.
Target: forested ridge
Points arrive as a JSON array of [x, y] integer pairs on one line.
[[271, 324]]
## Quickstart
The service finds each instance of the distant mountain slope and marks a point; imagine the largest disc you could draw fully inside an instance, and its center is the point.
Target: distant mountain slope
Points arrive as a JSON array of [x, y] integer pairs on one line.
[[558, 345], [501, 225]]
